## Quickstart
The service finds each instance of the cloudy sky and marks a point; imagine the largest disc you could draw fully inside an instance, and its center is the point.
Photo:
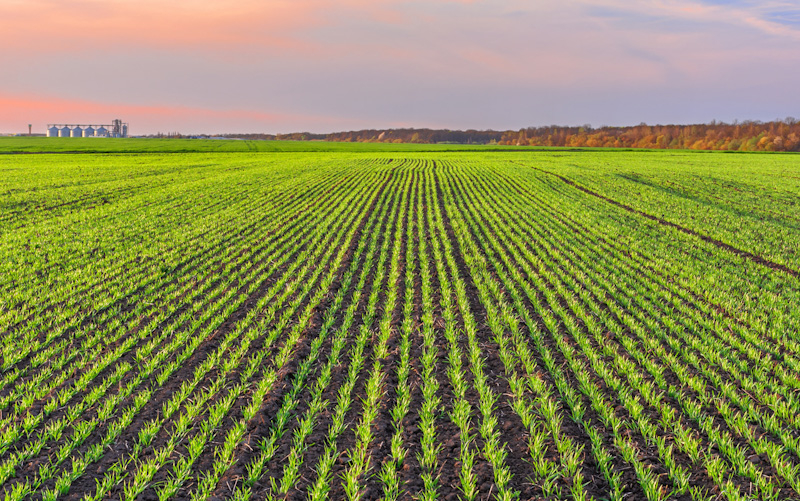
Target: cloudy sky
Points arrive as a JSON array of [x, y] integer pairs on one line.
[[329, 65]]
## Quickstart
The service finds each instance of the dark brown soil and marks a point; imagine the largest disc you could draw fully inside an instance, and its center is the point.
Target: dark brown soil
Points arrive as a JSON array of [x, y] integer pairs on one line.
[[568, 264]]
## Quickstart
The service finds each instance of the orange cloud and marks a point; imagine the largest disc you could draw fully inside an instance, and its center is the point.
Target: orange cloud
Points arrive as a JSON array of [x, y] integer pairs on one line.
[[58, 26], [50, 26]]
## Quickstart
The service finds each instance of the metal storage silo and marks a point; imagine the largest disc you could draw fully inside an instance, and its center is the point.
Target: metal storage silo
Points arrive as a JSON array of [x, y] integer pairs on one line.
[[76, 132], [125, 131], [88, 131], [52, 131], [101, 132], [63, 131]]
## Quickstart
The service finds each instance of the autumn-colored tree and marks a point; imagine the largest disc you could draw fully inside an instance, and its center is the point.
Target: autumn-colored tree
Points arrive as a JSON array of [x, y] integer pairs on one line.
[[780, 135]]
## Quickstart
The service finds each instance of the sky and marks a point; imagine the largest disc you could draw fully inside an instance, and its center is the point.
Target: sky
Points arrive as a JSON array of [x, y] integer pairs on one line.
[[279, 66]]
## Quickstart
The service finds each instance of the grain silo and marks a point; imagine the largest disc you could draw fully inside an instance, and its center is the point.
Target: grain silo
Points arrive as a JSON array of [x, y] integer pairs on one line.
[[117, 129]]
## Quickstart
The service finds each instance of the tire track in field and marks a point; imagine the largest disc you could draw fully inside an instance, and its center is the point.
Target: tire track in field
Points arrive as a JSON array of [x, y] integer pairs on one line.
[[697, 315], [678, 289], [718, 243]]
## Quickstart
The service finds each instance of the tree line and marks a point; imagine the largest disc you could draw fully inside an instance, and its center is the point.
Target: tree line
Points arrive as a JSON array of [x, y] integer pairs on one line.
[[778, 135]]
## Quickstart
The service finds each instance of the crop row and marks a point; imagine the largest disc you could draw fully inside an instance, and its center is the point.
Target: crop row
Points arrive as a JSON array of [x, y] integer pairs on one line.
[[320, 326]]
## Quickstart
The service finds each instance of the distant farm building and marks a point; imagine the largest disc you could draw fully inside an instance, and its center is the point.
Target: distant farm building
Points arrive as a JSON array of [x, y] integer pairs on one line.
[[117, 128]]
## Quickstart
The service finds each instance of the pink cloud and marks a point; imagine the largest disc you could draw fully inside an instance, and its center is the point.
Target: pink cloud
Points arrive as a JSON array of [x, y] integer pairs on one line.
[[456, 62], [16, 111]]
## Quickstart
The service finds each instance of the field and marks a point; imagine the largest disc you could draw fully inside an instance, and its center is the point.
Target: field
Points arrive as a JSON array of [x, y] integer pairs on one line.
[[381, 324], [151, 145]]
